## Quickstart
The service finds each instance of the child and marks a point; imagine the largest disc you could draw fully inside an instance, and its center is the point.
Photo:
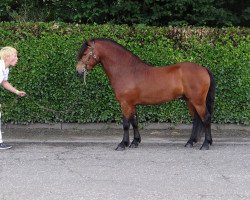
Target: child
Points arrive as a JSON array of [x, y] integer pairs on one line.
[[8, 58]]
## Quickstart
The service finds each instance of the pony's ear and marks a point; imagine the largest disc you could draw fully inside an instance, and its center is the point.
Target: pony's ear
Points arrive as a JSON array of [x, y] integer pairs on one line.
[[90, 43]]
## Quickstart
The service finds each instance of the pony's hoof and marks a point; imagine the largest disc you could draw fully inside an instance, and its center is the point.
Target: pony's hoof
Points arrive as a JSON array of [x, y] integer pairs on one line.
[[189, 145], [119, 148], [134, 145], [204, 147]]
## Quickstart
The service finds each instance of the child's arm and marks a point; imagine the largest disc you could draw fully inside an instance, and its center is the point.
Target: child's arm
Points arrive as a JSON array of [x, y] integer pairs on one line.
[[12, 89]]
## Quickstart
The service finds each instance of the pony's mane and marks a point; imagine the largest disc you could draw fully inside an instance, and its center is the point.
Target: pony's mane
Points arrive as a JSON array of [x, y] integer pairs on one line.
[[110, 41], [82, 50], [119, 45], [85, 45]]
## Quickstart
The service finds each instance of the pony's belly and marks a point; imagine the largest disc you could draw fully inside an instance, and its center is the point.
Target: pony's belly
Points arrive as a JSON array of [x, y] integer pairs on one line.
[[160, 95], [157, 99]]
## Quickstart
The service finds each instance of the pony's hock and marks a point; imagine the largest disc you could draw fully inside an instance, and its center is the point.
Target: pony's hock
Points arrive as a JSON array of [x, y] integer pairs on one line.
[[135, 82]]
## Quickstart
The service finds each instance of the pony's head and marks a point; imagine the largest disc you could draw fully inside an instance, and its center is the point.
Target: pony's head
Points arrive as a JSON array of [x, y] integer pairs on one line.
[[86, 58]]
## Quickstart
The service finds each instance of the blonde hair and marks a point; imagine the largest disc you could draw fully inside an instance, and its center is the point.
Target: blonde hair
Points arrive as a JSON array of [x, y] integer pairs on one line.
[[6, 51]]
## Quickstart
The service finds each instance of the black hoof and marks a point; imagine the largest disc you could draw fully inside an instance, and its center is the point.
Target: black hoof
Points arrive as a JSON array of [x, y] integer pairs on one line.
[[204, 147], [134, 145], [189, 145], [119, 148]]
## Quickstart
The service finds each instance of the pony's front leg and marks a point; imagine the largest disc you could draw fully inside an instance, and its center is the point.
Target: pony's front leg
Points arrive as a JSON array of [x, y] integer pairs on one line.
[[137, 137], [125, 141]]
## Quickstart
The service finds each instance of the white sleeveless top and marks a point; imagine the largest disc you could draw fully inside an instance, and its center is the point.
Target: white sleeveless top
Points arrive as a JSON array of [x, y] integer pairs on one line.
[[4, 72]]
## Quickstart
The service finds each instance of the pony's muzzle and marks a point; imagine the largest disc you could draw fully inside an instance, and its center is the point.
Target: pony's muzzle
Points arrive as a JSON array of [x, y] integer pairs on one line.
[[79, 73], [80, 70], [83, 73]]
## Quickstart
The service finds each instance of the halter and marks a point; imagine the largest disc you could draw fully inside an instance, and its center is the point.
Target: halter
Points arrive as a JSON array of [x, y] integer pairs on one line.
[[90, 54]]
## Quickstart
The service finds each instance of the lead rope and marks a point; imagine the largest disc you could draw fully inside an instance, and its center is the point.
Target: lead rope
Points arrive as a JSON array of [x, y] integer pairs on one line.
[[39, 106], [84, 76], [52, 110]]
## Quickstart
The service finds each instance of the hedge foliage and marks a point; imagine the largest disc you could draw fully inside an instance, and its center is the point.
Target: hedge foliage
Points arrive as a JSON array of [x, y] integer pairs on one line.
[[213, 13], [46, 71]]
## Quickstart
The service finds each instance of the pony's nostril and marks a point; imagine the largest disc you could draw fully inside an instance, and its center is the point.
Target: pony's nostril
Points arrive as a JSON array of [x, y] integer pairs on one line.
[[79, 73]]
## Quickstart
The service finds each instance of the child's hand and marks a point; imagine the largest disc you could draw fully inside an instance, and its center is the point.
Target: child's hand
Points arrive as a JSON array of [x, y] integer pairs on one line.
[[21, 93]]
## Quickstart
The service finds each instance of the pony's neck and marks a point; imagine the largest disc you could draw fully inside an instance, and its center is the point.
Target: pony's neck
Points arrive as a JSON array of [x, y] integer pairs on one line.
[[119, 64]]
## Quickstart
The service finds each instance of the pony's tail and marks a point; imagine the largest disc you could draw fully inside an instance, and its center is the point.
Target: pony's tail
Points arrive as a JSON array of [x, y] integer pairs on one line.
[[211, 94]]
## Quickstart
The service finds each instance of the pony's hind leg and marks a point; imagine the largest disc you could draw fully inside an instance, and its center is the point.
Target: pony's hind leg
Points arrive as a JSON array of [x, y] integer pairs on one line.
[[206, 122], [197, 126], [196, 131], [208, 136], [137, 137]]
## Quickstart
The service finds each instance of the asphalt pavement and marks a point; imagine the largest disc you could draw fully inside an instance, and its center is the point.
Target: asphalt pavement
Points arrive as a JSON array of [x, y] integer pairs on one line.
[[56, 164]]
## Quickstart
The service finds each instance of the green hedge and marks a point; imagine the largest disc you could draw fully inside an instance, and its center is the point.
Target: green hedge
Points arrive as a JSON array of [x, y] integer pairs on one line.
[[46, 71]]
